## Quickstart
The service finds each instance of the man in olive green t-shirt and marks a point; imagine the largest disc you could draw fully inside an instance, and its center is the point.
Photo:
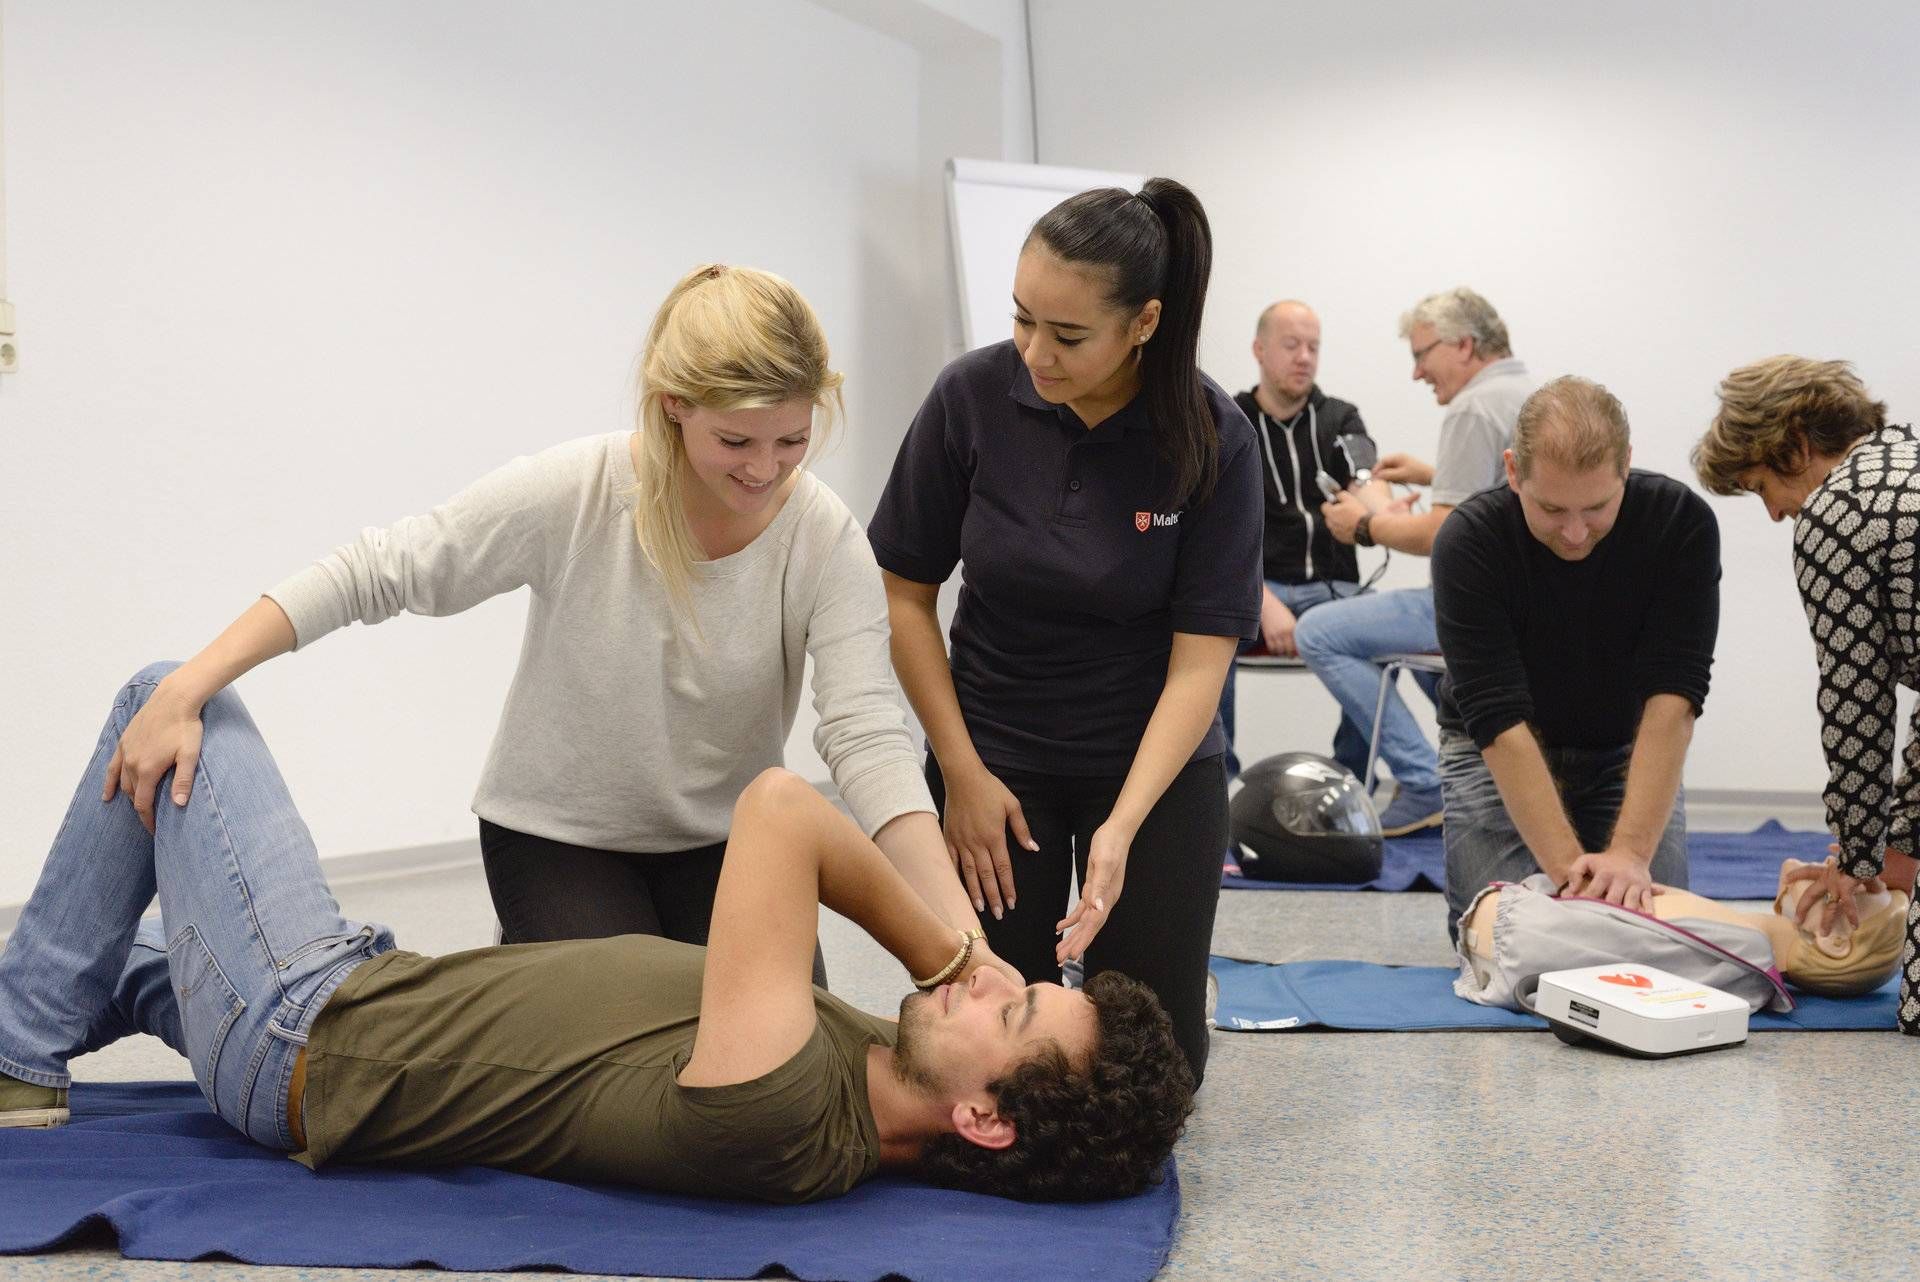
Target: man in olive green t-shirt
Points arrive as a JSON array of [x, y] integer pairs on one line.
[[718, 1071]]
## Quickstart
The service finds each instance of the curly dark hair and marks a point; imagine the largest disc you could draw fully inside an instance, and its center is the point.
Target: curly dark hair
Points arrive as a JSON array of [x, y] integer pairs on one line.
[[1099, 1132]]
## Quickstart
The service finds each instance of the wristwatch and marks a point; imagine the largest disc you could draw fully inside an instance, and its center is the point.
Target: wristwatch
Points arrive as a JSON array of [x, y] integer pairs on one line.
[[1363, 531]]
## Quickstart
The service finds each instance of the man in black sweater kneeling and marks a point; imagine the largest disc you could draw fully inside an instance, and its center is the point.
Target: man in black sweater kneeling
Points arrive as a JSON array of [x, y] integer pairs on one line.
[[1577, 609]]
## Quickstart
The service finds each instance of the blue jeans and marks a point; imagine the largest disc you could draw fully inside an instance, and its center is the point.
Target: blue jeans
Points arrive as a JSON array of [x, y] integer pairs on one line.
[[1341, 643], [1482, 844], [1349, 740], [248, 947]]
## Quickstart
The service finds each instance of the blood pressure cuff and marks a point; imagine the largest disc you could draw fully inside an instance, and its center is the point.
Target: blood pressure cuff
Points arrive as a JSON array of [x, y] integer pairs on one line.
[[1534, 933]]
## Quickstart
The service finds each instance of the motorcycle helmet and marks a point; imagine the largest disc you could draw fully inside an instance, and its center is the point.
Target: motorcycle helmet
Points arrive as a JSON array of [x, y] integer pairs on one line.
[[1302, 817]]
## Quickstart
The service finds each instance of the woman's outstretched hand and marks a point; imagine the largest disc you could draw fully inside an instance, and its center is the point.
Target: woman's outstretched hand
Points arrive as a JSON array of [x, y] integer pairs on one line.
[[1106, 877], [164, 735]]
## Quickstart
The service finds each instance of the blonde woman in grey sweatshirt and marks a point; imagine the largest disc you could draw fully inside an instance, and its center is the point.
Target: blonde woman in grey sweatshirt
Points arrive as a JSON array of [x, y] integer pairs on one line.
[[680, 576]]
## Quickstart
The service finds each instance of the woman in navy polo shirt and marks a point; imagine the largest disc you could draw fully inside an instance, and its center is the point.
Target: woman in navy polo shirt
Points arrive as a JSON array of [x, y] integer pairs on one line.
[[1103, 496]]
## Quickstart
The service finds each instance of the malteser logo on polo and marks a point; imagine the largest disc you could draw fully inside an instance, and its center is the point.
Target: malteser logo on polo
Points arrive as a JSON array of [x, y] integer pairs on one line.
[[1144, 521]]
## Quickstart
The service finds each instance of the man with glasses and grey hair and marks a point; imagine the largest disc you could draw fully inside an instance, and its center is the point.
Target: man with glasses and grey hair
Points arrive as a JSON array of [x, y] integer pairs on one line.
[[1460, 348]]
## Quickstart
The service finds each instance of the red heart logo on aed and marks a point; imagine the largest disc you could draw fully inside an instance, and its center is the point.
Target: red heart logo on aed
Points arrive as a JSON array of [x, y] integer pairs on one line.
[[1626, 979]]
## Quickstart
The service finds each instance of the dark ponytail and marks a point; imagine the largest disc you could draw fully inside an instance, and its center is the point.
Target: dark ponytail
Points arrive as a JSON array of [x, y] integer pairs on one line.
[[1154, 245]]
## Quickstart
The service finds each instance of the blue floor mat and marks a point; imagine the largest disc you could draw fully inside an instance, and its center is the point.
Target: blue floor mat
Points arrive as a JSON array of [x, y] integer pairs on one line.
[[174, 1182], [1264, 997], [1721, 865]]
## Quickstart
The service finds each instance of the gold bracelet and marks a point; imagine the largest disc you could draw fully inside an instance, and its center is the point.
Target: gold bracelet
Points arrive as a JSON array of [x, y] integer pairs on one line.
[[958, 964]]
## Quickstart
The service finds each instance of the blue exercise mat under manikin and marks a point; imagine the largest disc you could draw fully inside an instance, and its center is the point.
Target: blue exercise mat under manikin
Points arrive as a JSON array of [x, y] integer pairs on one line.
[[1720, 865], [1265, 997], [150, 1161]]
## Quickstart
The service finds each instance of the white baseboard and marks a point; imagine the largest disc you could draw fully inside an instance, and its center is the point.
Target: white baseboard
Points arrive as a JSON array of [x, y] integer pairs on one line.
[[368, 866]]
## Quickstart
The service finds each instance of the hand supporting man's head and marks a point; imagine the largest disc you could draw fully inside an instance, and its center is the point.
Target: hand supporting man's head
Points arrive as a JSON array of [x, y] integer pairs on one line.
[[1082, 1099], [1569, 464]]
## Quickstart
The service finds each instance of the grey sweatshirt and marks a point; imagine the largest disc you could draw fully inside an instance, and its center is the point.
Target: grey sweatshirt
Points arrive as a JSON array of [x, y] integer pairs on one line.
[[625, 728]]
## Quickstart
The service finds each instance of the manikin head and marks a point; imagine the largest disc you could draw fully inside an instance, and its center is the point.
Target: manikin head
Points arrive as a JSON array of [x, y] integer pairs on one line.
[[1286, 344], [1848, 960], [1053, 1094], [1784, 423], [1452, 337], [1568, 464]]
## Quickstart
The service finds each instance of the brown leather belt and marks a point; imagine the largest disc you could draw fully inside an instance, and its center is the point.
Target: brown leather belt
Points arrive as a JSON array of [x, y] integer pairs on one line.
[[296, 1100]]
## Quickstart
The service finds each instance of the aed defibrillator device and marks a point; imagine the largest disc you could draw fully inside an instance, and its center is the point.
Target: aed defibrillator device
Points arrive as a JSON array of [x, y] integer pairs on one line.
[[1643, 1011]]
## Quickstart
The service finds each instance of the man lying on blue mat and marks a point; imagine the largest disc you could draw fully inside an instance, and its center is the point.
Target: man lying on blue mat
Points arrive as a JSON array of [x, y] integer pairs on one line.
[[719, 1071]]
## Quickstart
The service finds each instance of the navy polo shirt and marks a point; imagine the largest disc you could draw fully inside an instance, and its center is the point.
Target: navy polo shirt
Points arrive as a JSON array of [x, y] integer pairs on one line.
[[1075, 575]]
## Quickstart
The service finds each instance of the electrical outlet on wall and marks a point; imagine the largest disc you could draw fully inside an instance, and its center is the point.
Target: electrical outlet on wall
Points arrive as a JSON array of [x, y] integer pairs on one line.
[[9, 347]]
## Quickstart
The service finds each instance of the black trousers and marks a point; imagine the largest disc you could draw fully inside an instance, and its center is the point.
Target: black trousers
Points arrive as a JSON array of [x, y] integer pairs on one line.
[[1162, 928], [545, 890]]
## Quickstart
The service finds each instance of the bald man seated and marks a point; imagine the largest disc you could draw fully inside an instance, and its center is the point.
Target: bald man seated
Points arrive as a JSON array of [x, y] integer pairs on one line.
[[717, 1071], [1577, 606], [1299, 429]]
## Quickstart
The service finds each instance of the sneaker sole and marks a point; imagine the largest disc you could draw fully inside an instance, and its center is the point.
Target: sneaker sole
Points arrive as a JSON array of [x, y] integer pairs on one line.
[[41, 1118], [1400, 830]]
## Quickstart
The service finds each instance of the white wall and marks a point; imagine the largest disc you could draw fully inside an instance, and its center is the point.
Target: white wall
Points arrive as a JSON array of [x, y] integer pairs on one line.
[[286, 270], [1650, 193]]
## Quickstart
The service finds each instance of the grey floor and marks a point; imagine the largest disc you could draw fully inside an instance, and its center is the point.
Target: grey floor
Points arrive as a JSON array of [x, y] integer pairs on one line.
[[1420, 1155]]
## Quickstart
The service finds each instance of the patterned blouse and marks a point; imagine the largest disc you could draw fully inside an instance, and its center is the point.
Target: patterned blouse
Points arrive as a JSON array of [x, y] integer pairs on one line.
[[1856, 554]]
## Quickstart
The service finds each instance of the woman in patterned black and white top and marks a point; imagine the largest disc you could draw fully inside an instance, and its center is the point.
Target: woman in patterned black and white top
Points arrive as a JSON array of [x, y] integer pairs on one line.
[[1807, 438]]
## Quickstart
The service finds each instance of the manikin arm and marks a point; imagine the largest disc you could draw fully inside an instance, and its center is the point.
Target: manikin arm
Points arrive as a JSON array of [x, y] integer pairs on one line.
[[789, 852]]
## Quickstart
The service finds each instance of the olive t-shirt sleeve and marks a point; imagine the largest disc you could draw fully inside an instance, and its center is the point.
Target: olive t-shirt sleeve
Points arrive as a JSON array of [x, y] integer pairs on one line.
[[784, 1136]]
